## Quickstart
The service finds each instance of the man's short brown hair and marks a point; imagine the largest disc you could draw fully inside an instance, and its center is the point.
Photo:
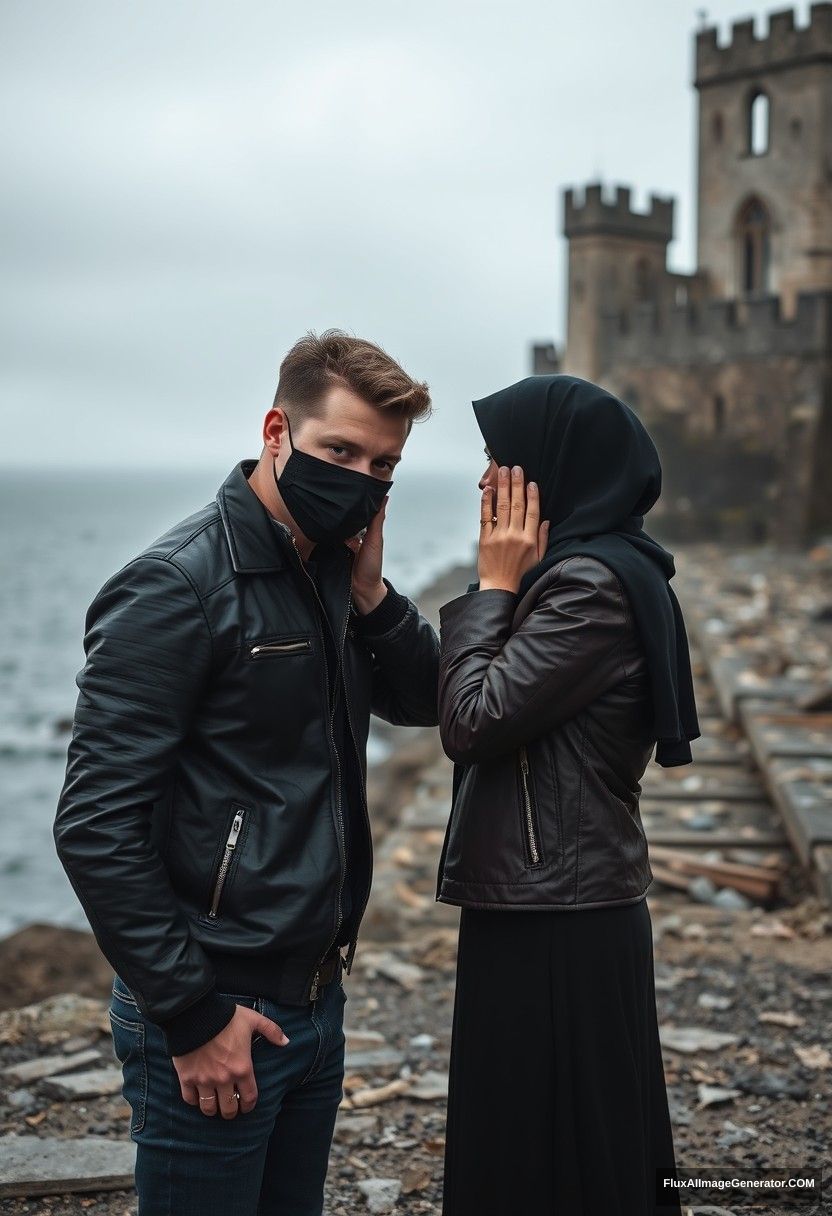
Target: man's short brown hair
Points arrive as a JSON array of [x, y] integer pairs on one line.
[[315, 363]]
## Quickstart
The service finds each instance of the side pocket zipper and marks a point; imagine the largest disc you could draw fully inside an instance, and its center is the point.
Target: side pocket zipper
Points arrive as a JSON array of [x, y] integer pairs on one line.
[[230, 846], [530, 832]]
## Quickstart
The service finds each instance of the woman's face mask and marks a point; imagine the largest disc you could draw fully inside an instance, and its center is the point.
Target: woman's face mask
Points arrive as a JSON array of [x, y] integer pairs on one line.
[[326, 500]]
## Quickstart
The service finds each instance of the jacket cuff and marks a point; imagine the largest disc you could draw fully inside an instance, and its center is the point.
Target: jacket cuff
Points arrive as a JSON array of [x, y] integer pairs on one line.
[[477, 615], [199, 1023], [386, 615]]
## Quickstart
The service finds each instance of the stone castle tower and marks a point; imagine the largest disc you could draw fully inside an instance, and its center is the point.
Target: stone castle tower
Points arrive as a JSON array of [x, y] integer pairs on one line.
[[730, 366]]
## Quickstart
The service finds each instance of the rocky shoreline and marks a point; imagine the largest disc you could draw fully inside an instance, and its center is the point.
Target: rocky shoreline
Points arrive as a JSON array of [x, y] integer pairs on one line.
[[743, 994]]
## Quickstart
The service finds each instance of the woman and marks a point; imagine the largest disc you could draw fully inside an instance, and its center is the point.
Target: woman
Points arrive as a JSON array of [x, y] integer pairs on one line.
[[559, 673]]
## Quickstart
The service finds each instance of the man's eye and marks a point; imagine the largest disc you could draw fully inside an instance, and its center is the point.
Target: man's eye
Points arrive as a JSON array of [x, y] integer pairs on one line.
[[386, 464], [335, 447]]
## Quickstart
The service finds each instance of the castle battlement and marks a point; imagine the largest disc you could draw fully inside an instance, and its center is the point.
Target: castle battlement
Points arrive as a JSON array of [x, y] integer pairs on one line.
[[784, 45], [717, 331], [595, 215]]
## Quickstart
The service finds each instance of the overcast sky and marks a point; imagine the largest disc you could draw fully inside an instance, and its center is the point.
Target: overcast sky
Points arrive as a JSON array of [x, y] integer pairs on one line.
[[190, 185]]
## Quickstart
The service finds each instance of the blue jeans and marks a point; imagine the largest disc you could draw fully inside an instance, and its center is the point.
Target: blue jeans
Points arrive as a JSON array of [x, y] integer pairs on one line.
[[271, 1161]]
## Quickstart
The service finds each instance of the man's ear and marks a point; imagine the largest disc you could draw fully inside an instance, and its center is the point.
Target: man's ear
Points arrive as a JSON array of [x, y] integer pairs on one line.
[[274, 428]]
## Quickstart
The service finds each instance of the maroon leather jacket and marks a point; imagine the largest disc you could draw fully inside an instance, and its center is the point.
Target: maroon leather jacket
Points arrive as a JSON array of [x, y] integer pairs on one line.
[[545, 706]]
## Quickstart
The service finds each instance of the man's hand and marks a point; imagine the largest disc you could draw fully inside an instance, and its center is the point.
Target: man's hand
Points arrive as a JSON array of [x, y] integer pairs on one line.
[[512, 539], [367, 588], [214, 1071]]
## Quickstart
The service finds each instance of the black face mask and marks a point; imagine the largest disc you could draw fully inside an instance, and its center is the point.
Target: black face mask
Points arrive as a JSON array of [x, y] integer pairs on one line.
[[328, 501]]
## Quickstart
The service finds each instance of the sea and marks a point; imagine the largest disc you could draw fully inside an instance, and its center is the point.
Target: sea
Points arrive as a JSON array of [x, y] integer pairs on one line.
[[63, 534]]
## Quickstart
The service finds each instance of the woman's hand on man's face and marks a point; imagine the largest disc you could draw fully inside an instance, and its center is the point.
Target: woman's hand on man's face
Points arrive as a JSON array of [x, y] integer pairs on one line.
[[512, 538]]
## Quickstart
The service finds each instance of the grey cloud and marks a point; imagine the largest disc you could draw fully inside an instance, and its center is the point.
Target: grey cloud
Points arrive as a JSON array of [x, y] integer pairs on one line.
[[194, 185]]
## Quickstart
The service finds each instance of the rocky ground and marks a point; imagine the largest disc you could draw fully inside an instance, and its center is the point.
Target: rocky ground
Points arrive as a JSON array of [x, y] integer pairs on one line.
[[744, 998]]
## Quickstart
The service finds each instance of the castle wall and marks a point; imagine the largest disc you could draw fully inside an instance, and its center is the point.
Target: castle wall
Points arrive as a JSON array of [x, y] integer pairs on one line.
[[741, 415], [718, 331], [602, 273]]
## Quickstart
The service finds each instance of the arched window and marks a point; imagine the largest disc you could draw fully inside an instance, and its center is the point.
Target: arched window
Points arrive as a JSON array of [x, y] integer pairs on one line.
[[643, 280], [753, 229], [759, 115]]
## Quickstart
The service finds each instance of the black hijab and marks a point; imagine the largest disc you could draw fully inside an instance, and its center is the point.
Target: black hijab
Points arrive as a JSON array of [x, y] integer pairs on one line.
[[599, 474]]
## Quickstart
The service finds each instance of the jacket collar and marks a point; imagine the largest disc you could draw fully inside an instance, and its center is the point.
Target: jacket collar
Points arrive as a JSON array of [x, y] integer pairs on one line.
[[260, 544], [255, 540]]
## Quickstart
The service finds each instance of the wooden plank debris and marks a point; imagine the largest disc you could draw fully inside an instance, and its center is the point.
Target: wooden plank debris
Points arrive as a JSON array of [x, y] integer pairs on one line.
[[759, 882]]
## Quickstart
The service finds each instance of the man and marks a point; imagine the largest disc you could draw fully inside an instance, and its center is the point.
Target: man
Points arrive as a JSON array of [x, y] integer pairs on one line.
[[213, 820]]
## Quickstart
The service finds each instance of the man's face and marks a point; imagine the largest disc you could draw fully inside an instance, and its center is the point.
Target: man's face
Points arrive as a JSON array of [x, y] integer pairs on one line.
[[348, 432]]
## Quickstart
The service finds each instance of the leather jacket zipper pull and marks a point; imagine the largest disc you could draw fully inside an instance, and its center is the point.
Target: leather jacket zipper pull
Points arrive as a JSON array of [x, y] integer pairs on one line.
[[524, 768], [280, 647], [230, 846]]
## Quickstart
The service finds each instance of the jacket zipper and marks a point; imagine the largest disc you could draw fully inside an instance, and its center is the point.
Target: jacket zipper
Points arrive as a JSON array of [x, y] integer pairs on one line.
[[524, 771], [313, 991], [351, 948], [230, 846], [280, 647]]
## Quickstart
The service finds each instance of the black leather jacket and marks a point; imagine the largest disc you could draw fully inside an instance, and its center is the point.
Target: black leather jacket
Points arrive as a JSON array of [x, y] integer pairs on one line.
[[200, 819], [545, 707]]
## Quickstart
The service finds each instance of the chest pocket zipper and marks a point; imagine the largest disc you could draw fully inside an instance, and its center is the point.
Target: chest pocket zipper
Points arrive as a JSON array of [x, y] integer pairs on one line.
[[228, 853], [531, 834], [264, 649]]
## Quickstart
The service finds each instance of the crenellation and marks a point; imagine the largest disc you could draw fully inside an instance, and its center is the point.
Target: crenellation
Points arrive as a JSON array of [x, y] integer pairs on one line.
[[763, 313], [719, 331], [742, 33], [707, 41], [684, 318], [781, 23], [594, 214], [784, 44], [724, 314]]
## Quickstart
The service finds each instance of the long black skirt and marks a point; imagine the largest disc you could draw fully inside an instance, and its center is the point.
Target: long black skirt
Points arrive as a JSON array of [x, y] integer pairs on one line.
[[557, 1103]]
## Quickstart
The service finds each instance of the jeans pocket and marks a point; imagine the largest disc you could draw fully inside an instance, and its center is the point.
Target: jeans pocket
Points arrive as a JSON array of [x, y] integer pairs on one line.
[[250, 1002], [128, 1045]]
